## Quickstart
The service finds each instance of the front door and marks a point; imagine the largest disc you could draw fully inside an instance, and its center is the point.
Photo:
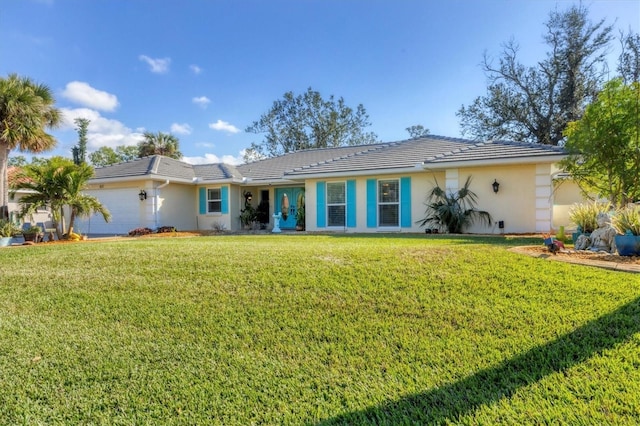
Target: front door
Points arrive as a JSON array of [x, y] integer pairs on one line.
[[286, 203]]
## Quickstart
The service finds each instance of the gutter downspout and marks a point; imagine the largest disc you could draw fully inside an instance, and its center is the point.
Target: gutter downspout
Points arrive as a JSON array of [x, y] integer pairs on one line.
[[156, 200]]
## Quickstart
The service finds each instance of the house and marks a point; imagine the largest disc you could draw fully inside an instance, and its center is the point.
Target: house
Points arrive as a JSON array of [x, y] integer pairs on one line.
[[368, 188], [41, 217]]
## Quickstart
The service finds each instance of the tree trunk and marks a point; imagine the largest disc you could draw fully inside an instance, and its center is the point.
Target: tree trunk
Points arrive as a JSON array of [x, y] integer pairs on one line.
[[4, 184], [72, 219]]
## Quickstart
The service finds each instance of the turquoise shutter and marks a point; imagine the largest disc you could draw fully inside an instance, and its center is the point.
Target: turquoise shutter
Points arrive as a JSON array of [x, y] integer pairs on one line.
[[224, 195], [351, 203], [202, 200], [405, 202], [372, 204], [321, 205]]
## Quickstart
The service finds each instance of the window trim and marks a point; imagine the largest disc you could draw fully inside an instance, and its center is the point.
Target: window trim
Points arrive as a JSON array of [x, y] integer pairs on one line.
[[388, 203], [344, 204], [209, 200]]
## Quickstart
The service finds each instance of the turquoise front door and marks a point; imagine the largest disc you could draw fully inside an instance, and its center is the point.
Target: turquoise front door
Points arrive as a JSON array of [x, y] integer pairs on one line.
[[286, 203]]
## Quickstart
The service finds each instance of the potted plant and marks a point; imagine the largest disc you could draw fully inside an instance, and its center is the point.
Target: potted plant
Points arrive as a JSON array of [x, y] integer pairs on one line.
[[33, 233], [300, 213], [248, 216], [584, 216], [626, 222], [300, 219], [8, 230]]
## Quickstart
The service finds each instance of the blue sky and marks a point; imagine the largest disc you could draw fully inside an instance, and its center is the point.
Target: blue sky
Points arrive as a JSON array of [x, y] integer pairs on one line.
[[205, 70]]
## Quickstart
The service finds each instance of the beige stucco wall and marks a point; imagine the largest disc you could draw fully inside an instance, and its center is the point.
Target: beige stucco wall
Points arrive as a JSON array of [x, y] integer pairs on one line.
[[524, 201], [566, 193], [174, 206]]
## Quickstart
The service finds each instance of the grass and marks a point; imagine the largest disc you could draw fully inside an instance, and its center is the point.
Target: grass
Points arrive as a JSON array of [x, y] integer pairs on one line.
[[314, 330]]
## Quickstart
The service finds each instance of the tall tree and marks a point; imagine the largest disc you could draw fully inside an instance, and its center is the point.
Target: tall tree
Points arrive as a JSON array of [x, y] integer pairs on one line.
[[55, 184], [80, 151], [417, 131], [106, 155], [308, 121], [629, 60], [26, 110], [604, 145], [159, 144], [17, 161], [534, 104]]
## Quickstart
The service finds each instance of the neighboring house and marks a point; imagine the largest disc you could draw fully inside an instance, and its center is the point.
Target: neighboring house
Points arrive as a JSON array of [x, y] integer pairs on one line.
[[41, 217], [368, 188]]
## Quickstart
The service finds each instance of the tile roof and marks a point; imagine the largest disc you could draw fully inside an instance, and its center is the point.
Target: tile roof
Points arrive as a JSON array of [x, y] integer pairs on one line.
[[277, 167], [430, 150], [163, 167]]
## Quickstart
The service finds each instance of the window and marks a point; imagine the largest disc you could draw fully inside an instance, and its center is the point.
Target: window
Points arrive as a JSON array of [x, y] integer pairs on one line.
[[336, 204], [214, 200], [388, 203]]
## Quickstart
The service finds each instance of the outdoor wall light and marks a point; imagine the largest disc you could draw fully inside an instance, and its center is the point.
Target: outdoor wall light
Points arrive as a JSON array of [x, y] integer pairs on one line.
[[142, 195], [496, 186], [248, 196]]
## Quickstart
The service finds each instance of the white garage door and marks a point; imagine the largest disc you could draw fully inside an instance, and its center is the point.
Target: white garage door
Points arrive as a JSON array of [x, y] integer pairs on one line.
[[124, 206]]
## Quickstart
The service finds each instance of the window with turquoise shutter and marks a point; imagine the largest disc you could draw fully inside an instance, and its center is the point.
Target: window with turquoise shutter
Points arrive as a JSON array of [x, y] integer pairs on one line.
[[389, 203], [321, 205], [372, 203], [336, 204], [224, 198], [351, 203], [214, 200], [202, 200], [405, 202]]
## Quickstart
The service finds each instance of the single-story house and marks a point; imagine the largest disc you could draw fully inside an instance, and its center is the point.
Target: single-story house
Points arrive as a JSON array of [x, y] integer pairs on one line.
[[367, 188], [41, 217]]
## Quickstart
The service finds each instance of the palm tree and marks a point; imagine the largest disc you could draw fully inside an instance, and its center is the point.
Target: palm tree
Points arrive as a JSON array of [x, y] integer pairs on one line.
[[82, 205], [26, 109], [159, 144], [56, 184], [453, 211]]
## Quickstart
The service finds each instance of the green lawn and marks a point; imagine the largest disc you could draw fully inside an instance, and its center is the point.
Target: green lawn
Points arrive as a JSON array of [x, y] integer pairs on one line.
[[300, 329]]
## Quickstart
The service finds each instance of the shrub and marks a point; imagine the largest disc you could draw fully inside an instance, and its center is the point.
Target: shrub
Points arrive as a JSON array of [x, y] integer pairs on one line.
[[627, 219], [453, 211], [584, 215], [8, 228], [140, 231], [165, 229]]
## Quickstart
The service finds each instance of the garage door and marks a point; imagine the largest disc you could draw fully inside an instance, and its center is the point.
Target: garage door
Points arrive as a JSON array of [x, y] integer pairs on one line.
[[125, 208]]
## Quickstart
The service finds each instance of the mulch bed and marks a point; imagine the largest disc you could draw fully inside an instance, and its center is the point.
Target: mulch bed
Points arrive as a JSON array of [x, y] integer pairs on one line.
[[585, 255]]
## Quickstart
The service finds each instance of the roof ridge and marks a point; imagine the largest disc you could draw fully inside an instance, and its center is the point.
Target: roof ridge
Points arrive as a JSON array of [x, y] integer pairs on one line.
[[524, 143]]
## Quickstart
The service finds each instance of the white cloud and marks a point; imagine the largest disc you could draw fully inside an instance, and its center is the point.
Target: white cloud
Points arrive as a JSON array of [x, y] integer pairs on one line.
[[195, 69], [181, 129], [83, 94], [224, 127], [156, 65], [202, 101], [212, 159], [102, 131]]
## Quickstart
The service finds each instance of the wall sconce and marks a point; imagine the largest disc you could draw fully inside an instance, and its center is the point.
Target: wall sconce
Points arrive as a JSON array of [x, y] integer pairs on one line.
[[142, 195], [248, 196], [496, 186]]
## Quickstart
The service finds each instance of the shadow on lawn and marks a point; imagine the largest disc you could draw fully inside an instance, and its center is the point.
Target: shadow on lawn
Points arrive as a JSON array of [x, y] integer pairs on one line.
[[451, 401]]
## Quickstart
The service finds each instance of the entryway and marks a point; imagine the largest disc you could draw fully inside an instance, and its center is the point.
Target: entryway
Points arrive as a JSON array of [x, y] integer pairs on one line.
[[286, 202]]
